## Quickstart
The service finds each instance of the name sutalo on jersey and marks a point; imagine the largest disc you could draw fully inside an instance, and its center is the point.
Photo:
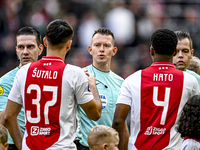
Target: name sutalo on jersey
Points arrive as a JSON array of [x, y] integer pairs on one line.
[[162, 77], [45, 74]]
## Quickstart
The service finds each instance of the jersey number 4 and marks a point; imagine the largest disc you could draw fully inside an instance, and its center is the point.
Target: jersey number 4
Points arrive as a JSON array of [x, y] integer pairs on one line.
[[36, 102], [163, 104]]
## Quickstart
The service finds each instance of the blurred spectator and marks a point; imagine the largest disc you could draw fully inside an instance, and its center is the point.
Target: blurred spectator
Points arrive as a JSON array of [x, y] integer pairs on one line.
[[121, 22], [151, 21], [38, 17], [89, 23], [132, 22], [191, 23], [127, 69], [72, 19], [79, 58]]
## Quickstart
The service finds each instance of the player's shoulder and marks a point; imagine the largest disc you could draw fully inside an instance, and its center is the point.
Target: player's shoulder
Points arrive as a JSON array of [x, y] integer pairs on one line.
[[189, 75], [133, 77], [89, 68], [24, 67], [9, 75], [190, 79], [189, 144], [135, 74], [193, 73], [23, 70], [116, 76], [74, 69]]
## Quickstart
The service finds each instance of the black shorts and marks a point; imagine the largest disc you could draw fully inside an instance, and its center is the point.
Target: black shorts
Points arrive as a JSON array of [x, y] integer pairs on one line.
[[79, 146], [12, 147]]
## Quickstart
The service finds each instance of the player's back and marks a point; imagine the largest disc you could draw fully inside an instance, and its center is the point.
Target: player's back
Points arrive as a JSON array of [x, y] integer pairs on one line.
[[163, 92], [50, 91]]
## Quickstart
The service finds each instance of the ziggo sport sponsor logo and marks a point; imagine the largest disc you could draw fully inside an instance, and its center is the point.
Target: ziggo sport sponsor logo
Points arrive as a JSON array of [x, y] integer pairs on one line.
[[155, 131], [35, 130]]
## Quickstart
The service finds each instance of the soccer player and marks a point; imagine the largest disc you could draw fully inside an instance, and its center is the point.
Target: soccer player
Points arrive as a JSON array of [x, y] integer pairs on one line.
[[49, 89], [28, 48], [108, 84], [185, 52], [3, 138], [102, 137], [156, 96], [189, 124]]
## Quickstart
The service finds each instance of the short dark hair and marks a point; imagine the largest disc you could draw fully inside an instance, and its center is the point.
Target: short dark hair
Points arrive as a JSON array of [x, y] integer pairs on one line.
[[189, 121], [182, 34], [164, 41], [104, 31], [58, 32], [30, 31]]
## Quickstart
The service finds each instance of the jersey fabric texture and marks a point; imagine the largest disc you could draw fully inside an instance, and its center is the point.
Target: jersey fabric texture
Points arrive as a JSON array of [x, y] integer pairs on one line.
[[194, 74], [50, 91], [108, 98], [156, 96], [190, 144], [6, 83]]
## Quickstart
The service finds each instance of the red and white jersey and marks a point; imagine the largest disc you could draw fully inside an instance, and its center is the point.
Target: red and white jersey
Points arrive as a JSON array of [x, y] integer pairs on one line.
[[50, 90], [190, 144], [156, 96]]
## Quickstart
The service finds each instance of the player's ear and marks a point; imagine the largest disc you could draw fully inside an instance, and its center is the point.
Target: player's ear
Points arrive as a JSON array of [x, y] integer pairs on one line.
[[104, 146], [175, 52], [45, 41], [90, 49], [69, 43], [192, 53], [152, 52], [6, 145], [114, 51], [40, 49]]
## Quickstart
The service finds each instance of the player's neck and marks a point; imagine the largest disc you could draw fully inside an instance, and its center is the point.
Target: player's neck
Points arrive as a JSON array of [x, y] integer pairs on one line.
[[56, 53], [162, 58], [102, 67]]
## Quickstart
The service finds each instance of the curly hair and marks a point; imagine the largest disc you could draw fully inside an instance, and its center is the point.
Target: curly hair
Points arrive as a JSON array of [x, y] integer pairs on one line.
[[189, 121], [164, 41]]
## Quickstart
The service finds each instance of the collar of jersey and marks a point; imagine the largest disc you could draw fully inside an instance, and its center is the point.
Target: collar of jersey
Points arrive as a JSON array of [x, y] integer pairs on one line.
[[97, 71], [186, 137], [52, 58], [163, 64]]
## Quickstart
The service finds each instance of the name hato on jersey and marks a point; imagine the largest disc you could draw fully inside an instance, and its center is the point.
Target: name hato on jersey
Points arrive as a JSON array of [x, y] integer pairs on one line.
[[162, 77]]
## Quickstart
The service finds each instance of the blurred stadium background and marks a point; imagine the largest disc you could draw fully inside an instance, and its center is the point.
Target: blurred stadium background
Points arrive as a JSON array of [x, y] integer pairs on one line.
[[131, 21]]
